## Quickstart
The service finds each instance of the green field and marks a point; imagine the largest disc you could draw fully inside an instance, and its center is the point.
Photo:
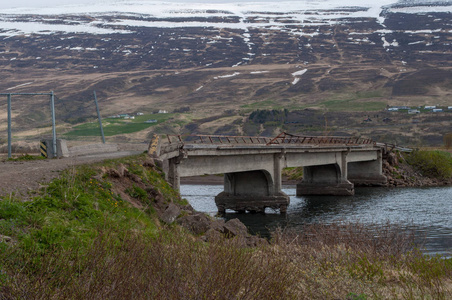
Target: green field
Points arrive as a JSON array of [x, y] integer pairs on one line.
[[118, 126]]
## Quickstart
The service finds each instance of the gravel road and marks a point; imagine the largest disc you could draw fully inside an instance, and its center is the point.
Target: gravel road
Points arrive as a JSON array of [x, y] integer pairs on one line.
[[23, 176]]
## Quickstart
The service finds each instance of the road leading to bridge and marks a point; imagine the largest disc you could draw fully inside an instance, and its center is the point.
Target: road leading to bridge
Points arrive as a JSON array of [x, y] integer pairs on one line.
[[24, 176]]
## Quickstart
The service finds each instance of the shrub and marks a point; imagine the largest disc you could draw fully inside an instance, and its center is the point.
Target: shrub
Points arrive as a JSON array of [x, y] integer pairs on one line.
[[435, 164]]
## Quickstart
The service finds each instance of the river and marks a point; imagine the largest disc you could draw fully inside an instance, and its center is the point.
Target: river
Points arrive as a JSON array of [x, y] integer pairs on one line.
[[427, 210]]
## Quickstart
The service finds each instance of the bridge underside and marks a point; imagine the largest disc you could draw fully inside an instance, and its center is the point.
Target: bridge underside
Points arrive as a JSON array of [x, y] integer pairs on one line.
[[252, 191], [324, 180]]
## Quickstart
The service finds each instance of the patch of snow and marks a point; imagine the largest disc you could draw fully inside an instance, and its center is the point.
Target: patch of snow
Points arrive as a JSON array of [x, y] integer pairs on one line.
[[299, 73], [200, 88], [415, 43], [386, 44], [295, 81], [20, 85], [259, 72], [227, 76]]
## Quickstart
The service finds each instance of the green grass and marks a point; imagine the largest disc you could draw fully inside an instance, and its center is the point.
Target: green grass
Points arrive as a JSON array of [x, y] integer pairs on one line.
[[26, 157], [435, 164], [118, 126], [270, 104], [351, 102]]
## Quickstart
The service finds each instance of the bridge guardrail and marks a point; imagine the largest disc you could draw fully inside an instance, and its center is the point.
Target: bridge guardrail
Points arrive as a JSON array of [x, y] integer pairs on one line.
[[283, 138]]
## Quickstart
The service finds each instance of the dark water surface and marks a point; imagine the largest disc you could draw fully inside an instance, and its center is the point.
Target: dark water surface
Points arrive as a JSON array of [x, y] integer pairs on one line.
[[428, 210]]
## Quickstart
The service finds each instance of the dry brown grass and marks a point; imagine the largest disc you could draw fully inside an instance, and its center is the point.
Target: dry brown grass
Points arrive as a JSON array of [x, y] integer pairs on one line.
[[339, 261]]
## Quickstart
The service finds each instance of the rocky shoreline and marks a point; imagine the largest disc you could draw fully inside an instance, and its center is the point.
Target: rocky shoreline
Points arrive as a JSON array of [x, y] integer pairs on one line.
[[401, 174]]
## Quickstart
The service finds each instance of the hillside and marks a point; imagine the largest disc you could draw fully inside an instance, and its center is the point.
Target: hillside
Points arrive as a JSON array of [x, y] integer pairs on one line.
[[229, 60]]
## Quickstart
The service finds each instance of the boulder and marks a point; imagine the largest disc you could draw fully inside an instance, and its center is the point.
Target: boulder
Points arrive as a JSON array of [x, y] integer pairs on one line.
[[234, 228], [170, 214], [197, 223], [5, 239]]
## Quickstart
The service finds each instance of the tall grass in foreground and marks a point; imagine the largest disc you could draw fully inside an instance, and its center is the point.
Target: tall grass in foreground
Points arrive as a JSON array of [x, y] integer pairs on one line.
[[339, 261]]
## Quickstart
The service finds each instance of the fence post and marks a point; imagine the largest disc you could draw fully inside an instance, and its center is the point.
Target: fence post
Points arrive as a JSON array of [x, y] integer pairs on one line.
[[52, 108]]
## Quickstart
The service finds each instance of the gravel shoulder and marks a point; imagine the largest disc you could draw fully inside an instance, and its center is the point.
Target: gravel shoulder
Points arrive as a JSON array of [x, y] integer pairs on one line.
[[21, 177]]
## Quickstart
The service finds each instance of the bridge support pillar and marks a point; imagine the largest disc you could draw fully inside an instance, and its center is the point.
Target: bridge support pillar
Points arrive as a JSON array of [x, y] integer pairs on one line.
[[367, 173], [172, 173], [325, 180], [251, 191]]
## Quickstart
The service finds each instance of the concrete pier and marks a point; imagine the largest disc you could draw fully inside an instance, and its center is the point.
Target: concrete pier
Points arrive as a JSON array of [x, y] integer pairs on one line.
[[252, 191]]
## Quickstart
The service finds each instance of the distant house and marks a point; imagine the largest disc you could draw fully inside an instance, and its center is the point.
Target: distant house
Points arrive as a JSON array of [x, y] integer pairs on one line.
[[430, 107], [393, 109], [413, 111], [437, 110], [139, 114], [163, 111], [150, 121], [449, 107]]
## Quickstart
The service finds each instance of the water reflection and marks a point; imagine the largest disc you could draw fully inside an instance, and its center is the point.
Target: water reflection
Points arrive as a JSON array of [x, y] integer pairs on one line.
[[429, 210]]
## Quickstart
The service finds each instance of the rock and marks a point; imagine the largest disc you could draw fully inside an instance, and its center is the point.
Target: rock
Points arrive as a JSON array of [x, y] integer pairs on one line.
[[212, 235], [150, 163], [5, 239], [135, 178], [392, 159], [234, 228], [170, 214], [120, 172], [218, 225], [197, 223]]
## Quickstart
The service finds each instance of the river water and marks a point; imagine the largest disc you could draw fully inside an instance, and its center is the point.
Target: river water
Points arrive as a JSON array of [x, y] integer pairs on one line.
[[427, 210]]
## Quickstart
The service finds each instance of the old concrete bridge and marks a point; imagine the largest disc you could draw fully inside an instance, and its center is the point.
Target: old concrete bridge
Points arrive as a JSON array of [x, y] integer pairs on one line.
[[252, 166]]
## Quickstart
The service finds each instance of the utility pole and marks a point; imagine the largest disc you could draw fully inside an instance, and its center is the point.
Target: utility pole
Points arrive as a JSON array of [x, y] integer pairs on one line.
[[99, 118], [9, 125]]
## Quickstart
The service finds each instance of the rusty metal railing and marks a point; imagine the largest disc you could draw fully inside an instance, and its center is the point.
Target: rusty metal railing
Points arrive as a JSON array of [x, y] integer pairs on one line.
[[282, 138], [287, 138]]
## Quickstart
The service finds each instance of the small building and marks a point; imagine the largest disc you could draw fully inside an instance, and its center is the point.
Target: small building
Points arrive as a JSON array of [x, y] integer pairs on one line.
[[163, 111], [414, 112], [150, 121], [449, 107], [437, 110], [393, 109], [430, 107], [139, 114]]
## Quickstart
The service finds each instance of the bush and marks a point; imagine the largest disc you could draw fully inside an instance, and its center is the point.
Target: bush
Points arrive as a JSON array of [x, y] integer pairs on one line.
[[434, 164]]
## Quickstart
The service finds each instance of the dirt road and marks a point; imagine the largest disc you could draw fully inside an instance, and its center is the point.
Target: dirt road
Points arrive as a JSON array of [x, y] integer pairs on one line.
[[24, 176]]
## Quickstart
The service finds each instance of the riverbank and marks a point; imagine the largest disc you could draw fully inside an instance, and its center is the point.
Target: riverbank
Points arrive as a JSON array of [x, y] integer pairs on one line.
[[117, 230]]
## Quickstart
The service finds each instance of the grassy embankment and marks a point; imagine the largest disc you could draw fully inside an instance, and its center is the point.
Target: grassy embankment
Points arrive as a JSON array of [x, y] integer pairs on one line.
[[433, 163], [93, 235]]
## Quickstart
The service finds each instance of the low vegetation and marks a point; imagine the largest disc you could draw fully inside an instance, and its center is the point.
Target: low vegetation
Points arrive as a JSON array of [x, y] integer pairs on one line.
[[434, 164], [115, 126], [92, 234]]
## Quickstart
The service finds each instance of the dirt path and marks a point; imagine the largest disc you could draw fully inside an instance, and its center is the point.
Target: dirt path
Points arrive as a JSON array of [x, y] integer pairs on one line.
[[24, 176]]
